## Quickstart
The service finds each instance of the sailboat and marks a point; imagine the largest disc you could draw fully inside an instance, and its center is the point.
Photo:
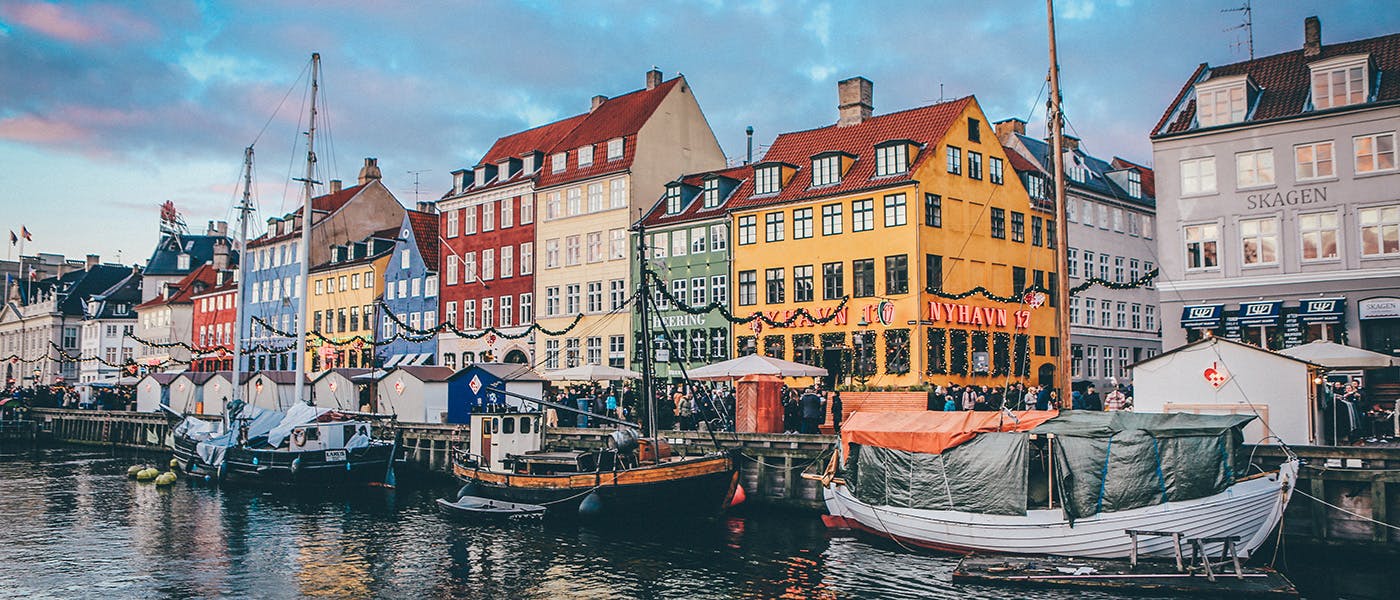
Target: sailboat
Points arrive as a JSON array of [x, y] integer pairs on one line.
[[1040, 483], [634, 476], [306, 444]]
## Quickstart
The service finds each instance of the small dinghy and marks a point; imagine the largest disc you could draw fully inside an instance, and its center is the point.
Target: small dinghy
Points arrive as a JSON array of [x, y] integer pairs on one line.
[[486, 508]]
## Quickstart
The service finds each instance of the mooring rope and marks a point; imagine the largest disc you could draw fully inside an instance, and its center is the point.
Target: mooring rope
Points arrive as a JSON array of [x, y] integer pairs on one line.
[[1362, 517]]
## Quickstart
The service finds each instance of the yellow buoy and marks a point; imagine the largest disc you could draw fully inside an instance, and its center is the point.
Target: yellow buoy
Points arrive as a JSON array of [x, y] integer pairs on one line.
[[134, 469], [166, 478], [147, 474], [174, 463]]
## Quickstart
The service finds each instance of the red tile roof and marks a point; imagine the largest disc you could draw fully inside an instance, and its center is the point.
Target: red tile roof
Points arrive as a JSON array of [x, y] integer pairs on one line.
[[203, 278], [696, 210], [1284, 82], [1020, 163], [620, 117], [425, 232], [926, 125], [1146, 175], [329, 204], [539, 139]]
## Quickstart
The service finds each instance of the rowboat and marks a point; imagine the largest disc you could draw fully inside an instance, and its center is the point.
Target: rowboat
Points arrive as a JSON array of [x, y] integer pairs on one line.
[[485, 508]]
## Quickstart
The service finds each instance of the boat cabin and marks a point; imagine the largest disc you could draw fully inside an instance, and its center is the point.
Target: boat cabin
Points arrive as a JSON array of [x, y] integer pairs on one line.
[[495, 437], [335, 435]]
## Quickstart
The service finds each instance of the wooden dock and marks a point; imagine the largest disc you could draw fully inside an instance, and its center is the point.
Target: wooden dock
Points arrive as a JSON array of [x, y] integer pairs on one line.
[[1118, 577], [21, 430]]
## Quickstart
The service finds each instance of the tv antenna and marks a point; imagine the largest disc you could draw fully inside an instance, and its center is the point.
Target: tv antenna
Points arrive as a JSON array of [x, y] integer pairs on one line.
[[1247, 25], [415, 182]]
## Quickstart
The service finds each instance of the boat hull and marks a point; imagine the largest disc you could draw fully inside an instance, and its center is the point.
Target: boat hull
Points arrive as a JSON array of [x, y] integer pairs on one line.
[[275, 467], [1249, 509], [701, 486]]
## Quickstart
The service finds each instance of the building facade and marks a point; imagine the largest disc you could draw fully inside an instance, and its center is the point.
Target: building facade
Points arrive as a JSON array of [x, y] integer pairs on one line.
[[343, 304], [168, 318], [42, 315], [877, 227], [1279, 199], [179, 254], [1110, 209], [214, 316], [109, 320], [411, 292]]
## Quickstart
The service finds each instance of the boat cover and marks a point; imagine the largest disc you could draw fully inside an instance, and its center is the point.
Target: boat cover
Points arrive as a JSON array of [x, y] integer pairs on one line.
[[988, 475], [932, 431], [298, 414], [259, 422]]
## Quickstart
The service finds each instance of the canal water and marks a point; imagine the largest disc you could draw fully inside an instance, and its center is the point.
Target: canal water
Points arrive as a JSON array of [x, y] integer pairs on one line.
[[73, 526]]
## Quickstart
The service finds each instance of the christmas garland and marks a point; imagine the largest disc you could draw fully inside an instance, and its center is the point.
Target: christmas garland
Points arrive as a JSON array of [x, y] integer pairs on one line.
[[1001, 353], [452, 327], [1023, 355], [724, 312], [1020, 298], [937, 352]]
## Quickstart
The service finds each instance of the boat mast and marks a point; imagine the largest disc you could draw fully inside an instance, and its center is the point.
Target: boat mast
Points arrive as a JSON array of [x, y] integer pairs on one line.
[[1061, 291], [240, 287], [306, 212], [643, 299]]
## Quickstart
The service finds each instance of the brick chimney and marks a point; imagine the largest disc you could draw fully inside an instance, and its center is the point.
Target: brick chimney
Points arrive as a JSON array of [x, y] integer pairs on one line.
[[370, 171], [92, 260], [853, 97], [1010, 126], [335, 186], [1312, 37], [653, 78], [220, 255], [600, 99]]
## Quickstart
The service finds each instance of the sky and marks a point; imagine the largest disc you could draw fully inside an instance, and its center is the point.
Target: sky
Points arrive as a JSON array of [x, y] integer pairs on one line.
[[108, 109]]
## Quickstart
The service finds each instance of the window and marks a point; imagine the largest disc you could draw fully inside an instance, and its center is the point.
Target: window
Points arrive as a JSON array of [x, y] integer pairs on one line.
[[1118, 269], [527, 210], [1137, 317], [697, 291], [507, 212], [1318, 233], [995, 170], [933, 272], [551, 253], [773, 227], [974, 165], [801, 223], [954, 160], [1198, 176], [571, 298], [1259, 241], [974, 130], [469, 223], [572, 251], [802, 283], [574, 200], [862, 215], [1201, 241], [766, 180], [571, 352], [617, 294], [1254, 169], [488, 216], [450, 312], [527, 308], [933, 210], [619, 193], [1374, 153], [1380, 230], [833, 281], [748, 230], [551, 301], [507, 310], [1220, 106], [774, 284], [320, 286], [895, 210], [748, 288], [719, 289], [430, 285], [897, 274], [595, 296], [1103, 267], [585, 156], [1118, 220], [1313, 161], [1018, 227], [1134, 269], [679, 243], [551, 354], [1036, 187], [831, 219], [1037, 231], [1089, 311], [552, 209], [617, 244], [1135, 181], [826, 170], [527, 258], [999, 223], [452, 218], [892, 159], [1105, 312], [660, 245], [595, 246], [711, 193], [595, 197], [1338, 86], [559, 162], [863, 274], [719, 238], [614, 148]]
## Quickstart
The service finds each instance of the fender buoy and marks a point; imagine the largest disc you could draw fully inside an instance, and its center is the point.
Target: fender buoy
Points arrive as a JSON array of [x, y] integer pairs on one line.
[[174, 463], [470, 489], [166, 478], [296, 467], [592, 505], [134, 469], [299, 437], [739, 496]]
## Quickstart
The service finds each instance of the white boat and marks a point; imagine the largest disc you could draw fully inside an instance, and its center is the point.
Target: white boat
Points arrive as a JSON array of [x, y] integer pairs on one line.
[[1249, 508]]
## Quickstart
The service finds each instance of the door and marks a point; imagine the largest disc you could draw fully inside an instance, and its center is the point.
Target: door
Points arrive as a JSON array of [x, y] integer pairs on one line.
[[487, 425], [1046, 375]]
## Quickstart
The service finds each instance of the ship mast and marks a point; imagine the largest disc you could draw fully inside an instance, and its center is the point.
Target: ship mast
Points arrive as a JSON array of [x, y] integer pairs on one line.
[[644, 299], [306, 183], [240, 287], [1055, 117]]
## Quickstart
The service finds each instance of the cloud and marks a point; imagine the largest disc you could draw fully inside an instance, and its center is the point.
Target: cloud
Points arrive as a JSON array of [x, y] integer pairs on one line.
[[55, 21]]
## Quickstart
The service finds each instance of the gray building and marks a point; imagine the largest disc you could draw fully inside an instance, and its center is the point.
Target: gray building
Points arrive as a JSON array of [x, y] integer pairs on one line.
[[1109, 209], [1279, 199]]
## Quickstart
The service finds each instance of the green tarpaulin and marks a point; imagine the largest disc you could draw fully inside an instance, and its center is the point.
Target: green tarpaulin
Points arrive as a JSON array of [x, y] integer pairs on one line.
[[985, 475]]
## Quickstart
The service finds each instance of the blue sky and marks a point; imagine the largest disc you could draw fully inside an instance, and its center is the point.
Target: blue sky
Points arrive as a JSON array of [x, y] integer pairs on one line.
[[109, 109]]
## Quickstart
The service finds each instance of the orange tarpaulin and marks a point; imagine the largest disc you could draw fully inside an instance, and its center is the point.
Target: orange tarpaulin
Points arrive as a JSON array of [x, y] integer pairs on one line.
[[932, 432]]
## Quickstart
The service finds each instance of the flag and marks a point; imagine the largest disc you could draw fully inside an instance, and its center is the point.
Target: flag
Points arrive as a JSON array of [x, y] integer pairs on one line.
[[24, 232], [32, 272], [14, 239]]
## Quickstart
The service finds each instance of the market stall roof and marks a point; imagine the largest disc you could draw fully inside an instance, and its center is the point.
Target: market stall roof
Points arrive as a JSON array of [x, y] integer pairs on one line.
[[755, 364], [1337, 356], [932, 432], [591, 372]]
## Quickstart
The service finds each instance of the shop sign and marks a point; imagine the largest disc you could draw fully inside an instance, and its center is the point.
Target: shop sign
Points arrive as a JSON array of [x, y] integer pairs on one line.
[[963, 314], [1378, 308], [1322, 310], [1260, 313], [681, 320], [1205, 316], [1216, 375], [1292, 197]]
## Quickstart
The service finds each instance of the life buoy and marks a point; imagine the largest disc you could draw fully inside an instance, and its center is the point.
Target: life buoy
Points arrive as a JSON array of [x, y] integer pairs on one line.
[[299, 437]]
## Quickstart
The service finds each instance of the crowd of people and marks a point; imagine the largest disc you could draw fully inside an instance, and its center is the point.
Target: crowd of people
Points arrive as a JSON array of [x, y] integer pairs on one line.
[[680, 406], [1019, 396]]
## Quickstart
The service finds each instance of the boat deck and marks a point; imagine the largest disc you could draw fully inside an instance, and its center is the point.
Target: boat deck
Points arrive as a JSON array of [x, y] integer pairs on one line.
[[1118, 577]]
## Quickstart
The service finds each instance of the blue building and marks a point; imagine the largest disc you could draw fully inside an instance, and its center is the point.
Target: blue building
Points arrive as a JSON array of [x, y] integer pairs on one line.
[[340, 217], [411, 291], [470, 390]]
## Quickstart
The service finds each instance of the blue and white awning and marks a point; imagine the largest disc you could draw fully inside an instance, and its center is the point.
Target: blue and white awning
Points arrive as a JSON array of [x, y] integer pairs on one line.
[[1202, 316], [1322, 310], [1264, 313]]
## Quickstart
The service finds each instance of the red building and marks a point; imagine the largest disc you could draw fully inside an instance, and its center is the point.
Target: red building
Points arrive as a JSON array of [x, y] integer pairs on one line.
[[486, 226], [212, 333]]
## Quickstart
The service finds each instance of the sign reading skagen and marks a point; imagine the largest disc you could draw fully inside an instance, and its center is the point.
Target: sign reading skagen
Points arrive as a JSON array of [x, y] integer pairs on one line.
[[1379, 308], [1289, 198]]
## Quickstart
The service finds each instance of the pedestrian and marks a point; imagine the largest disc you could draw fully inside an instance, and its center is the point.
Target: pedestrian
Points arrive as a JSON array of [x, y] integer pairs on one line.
[[1116, 400], [969, 398], [1092, 401], [812, 409], [836, 411], [1042, 398], [581, 401], [612, 407]]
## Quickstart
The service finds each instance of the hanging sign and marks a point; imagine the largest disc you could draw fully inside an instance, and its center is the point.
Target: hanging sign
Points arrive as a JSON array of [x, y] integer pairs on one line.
[[1035, 299], [1216, 375], [398, 387]]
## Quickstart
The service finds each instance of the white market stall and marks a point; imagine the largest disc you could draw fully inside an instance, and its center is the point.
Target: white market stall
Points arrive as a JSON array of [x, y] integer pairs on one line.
[[273, 390], [416, 394], [152, 391], [340, 388]]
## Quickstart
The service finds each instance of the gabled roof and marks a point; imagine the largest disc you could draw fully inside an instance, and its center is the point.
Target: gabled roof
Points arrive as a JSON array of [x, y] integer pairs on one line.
[[75, 288], [1098, 169], [539, 139], [1283, 82], [926, 125], [425, 233], [695, 209], [425, 373], [620, 117], [199, 280], [165, 260], [505, 371], [284, 377], [127, 292], [329, 204], [345, 372], [1211, 339]]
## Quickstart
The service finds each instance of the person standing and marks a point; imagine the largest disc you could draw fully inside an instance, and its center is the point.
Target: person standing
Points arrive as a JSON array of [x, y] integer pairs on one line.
[[1092, 401], [811, 406], [836, 411], [1116, 400]]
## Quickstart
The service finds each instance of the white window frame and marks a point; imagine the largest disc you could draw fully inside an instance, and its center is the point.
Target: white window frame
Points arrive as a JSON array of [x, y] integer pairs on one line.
[[1198, 176], [615, 149], [558, 162], [617, 244], [585, 155], [527, 258], [1232, 97], [1375, 156], [1254, 169], [1313, 225], [1385, 219], [1355, 71], [1314, 163], [1203, 241], [1256, 229]]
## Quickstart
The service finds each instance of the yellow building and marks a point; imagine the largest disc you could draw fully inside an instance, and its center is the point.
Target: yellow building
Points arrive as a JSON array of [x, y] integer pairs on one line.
[[892, 215], [343, 303]]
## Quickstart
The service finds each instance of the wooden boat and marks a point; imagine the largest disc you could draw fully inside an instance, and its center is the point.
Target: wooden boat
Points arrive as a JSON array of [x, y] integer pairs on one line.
[[477, 507], [1248, 507]]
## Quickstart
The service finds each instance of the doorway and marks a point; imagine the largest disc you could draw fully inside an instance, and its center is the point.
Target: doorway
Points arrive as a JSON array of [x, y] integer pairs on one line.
[[1046, 374]]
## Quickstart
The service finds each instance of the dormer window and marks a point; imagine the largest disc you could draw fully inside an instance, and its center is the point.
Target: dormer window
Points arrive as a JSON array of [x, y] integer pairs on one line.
[[559, 162], [826, 170], [183, 262], [711, 193], [1222, 101], [459, 180], [1340, 81], [891, 159], [1134, 183], [585, 155], [615, 149], [503, 170], [1074, 167], [673, 200], [767, 180], [527, 163]]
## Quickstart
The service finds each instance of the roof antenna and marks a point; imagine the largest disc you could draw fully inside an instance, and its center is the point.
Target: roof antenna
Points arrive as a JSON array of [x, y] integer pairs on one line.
[[415, 183], [1247, 25]]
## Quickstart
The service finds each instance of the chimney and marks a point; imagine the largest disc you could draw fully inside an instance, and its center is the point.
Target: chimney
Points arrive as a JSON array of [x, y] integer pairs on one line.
[[92, 260], [427, 207], [1010, 126], [600, 99], [1312, 37], [853, 98], [220, 255], [748, 156], [221, 228], [653, 78], [335, 186], [370, 171], [211, 230]]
